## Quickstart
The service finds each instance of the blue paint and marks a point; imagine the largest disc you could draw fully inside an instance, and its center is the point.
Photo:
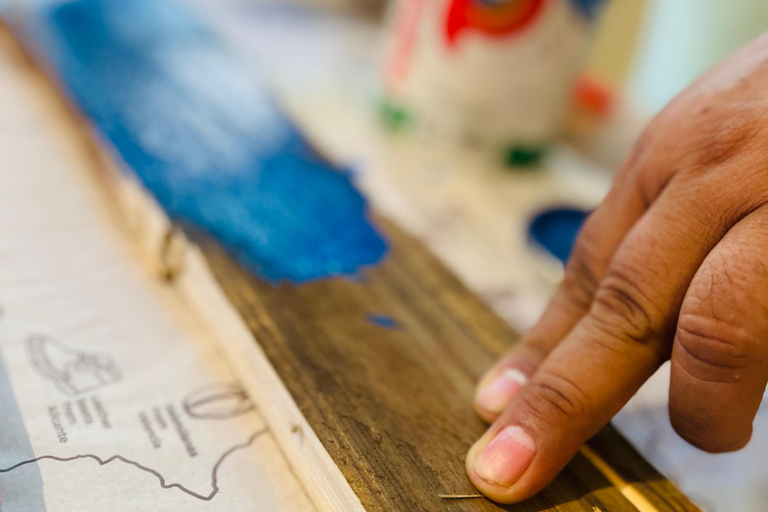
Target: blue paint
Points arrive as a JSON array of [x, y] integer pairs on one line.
[[383, 321], [21, 489], [589, 8], [205, 137], [555, 230]]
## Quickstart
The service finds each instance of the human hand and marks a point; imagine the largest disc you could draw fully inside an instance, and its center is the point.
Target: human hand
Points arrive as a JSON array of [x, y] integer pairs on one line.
[[672, 265]]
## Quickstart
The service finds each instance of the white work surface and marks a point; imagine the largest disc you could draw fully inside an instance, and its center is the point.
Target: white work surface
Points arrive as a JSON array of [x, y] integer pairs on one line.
[[469, 212]]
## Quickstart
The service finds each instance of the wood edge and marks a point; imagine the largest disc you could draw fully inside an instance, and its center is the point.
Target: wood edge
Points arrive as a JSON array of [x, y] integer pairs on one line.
[[304, 450], [166, 252], [629, 491], [624, 461]]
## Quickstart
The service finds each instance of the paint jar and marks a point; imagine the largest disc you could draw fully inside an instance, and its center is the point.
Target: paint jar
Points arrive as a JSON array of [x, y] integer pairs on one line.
[[494, 74]]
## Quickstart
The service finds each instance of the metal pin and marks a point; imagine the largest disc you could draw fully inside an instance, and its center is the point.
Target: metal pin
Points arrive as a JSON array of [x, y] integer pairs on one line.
[[459, 496]]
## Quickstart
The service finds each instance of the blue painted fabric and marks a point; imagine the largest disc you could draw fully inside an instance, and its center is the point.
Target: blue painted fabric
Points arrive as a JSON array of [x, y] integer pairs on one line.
[[205, 136]]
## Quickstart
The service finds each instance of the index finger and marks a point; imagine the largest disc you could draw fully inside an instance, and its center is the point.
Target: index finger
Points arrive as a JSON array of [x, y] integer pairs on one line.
[[599, 238]]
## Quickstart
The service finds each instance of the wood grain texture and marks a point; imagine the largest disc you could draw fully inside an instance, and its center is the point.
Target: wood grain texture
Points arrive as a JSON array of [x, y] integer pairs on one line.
[[393, 407]]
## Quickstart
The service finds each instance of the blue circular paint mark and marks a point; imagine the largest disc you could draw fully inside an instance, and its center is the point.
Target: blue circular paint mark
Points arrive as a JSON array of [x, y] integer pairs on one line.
[[555, 230]]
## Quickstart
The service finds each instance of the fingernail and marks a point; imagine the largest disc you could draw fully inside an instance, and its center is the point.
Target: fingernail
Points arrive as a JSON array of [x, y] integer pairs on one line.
[[506, 458], [496, 396]]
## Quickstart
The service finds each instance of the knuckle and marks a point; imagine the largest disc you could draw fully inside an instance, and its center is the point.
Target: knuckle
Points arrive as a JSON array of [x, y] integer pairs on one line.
[[724, 134], [552, 397], [706, 135], [721, 328], [724, 281], [711, 349], [647, 144], [644, 170], [624, 311]]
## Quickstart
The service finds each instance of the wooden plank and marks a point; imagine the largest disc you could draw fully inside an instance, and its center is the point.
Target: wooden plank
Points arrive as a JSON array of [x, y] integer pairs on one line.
[[392, 406]]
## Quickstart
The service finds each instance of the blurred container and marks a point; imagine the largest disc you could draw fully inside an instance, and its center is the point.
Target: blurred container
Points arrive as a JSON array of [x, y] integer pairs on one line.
[[495, 74]]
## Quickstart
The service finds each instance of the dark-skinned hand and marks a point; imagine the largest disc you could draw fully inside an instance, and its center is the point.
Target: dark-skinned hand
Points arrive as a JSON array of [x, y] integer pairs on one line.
[[673, 265]]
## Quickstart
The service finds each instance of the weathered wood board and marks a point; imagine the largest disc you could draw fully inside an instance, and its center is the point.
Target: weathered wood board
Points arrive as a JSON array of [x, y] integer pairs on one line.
[[392, 405]]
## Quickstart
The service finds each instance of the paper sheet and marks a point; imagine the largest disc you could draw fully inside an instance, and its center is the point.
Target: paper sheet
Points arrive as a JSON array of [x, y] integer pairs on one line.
[[112, 395]]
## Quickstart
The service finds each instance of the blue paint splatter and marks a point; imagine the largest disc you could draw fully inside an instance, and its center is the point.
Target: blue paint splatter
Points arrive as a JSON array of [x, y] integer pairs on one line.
[[556, 230], [383, 321], [205, 137]]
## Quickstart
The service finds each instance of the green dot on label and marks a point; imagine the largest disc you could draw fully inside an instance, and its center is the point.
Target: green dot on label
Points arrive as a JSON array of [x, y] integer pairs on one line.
[[524, 156], [395, 116]]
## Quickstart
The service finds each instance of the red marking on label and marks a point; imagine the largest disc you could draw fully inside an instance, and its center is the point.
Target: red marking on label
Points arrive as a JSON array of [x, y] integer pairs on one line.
[[405, 30], [593, 96], [498, 18]]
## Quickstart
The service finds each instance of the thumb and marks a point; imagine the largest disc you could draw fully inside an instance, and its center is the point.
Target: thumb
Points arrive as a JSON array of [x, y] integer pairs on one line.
[[576, 391]]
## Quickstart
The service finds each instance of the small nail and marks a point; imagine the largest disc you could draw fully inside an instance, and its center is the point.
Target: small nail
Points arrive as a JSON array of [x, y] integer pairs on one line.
[[506, 458], [496, 396]]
